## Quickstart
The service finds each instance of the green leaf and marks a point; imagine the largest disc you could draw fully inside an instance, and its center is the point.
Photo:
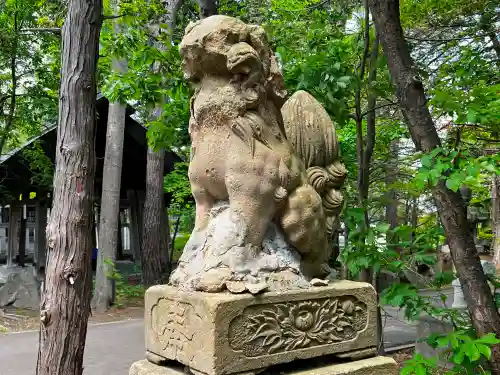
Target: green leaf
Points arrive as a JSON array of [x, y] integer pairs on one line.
[[484, 350], [471, 117], [453, 183], [459, 357], [490, 339], [425, 258], [454, 342], [370, 238], [420, 369], [382, 227], [471, 351], [427, 161], [341, 84], [443, 342]]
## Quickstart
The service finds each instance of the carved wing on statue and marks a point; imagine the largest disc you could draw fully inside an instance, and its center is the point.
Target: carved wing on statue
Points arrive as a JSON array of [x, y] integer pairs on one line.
[[311, 133]]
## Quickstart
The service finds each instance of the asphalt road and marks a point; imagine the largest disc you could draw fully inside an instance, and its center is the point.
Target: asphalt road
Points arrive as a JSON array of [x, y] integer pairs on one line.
[[113, 347]]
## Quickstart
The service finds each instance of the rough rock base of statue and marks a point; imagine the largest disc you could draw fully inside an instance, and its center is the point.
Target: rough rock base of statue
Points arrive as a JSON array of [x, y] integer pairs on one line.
[[319, 330], [217, 259]]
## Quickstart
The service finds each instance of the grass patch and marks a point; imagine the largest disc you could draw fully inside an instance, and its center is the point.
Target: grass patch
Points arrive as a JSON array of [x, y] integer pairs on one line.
[[180, 242], [129, 295]]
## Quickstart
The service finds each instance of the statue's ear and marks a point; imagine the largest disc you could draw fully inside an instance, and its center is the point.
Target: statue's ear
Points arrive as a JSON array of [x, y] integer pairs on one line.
[[258, 40]]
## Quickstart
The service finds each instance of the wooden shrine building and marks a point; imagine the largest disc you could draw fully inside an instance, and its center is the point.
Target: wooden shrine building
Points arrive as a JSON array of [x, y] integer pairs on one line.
[[25, 201]]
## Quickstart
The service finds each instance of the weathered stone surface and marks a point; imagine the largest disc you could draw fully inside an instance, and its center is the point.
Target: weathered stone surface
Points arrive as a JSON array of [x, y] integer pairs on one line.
[[428, 325], [5, 271], [371, 366], [241, 157], [147, 368], [358, 354], [227, 333], [22, 290], [207, 264]]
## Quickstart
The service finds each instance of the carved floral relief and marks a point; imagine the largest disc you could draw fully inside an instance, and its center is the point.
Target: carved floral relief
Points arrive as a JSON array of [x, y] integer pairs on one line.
[[270, 329]]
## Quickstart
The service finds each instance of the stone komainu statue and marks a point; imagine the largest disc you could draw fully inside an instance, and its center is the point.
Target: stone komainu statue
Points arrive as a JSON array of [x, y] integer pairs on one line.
[[264, 171]]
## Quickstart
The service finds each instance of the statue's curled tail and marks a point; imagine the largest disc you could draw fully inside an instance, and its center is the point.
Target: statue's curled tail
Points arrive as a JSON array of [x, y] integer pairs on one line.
[[311, 133]]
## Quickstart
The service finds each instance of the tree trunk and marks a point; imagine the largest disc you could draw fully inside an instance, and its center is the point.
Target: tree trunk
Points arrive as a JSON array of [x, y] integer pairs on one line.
[[110, 207], [153, 234], [135, 226], [67, 290], [366, 145], [414, 218], [40, 237], [165, 249], [15, 216], [450, 205], [391, 208], [110, 199], [495, 219]]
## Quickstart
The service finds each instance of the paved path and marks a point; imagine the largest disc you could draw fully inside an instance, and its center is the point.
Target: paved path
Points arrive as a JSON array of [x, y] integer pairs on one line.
[[111, 349]]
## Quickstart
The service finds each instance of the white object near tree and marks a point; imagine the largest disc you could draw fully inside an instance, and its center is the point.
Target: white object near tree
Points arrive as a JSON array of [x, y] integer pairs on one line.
[[458, 296]]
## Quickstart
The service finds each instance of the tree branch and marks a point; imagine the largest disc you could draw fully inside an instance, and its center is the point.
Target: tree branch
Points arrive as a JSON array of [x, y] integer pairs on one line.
[[112, 17], [55, 30], [378, 107], [445, 40]]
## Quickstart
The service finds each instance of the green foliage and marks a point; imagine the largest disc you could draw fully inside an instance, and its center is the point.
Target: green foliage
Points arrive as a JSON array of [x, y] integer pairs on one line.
[[40, 165], [180, 243], [124, 293], [29, 68], [322, 56], [418, 365], [177, 184], [153, 76], [461, 347], [457, 168]]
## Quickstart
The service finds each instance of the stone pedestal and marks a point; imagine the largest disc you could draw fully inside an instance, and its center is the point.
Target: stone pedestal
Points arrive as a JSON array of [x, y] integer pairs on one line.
[[370, 366], [223, 333]]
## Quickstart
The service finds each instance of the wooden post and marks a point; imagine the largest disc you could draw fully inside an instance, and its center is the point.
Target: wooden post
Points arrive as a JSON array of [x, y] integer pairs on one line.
[[141, 198], [134, 228], [22, 242], [119, 239], [40, 236], [15, 216]]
